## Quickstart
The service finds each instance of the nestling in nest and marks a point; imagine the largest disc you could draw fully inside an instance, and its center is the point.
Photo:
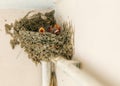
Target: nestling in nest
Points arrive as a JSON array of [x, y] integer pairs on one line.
[[41, 36]]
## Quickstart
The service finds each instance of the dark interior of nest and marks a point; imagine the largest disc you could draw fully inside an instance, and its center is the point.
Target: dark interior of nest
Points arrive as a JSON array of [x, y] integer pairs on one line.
[[41, 36]]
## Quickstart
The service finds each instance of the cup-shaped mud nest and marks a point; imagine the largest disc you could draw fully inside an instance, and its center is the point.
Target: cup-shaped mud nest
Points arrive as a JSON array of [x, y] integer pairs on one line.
[[41, 36]]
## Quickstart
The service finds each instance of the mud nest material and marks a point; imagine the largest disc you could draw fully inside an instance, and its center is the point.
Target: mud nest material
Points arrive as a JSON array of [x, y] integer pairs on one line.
[[45, 44]]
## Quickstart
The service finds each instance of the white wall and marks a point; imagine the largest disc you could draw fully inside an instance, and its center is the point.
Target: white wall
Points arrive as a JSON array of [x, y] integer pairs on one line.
[[97, 36]]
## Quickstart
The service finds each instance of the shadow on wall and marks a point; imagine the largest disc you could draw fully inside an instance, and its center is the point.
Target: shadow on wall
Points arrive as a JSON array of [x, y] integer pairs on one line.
[[22, 4], [85, 66]]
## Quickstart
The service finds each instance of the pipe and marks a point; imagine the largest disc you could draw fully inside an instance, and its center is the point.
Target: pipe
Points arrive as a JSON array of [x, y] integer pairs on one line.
[[82, 78], [46, 73]]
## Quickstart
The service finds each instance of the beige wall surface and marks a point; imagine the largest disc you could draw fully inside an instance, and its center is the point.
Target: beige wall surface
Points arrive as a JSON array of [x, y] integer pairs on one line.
[[97, 36], [97, 44], [15, 68]]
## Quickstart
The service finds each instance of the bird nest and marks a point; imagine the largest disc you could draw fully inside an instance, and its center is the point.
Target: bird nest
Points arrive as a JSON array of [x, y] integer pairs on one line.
[[41, 36]]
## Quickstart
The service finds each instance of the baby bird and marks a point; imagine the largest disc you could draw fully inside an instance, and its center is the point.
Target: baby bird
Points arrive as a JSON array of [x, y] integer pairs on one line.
[[41, 30], [55, 29]]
